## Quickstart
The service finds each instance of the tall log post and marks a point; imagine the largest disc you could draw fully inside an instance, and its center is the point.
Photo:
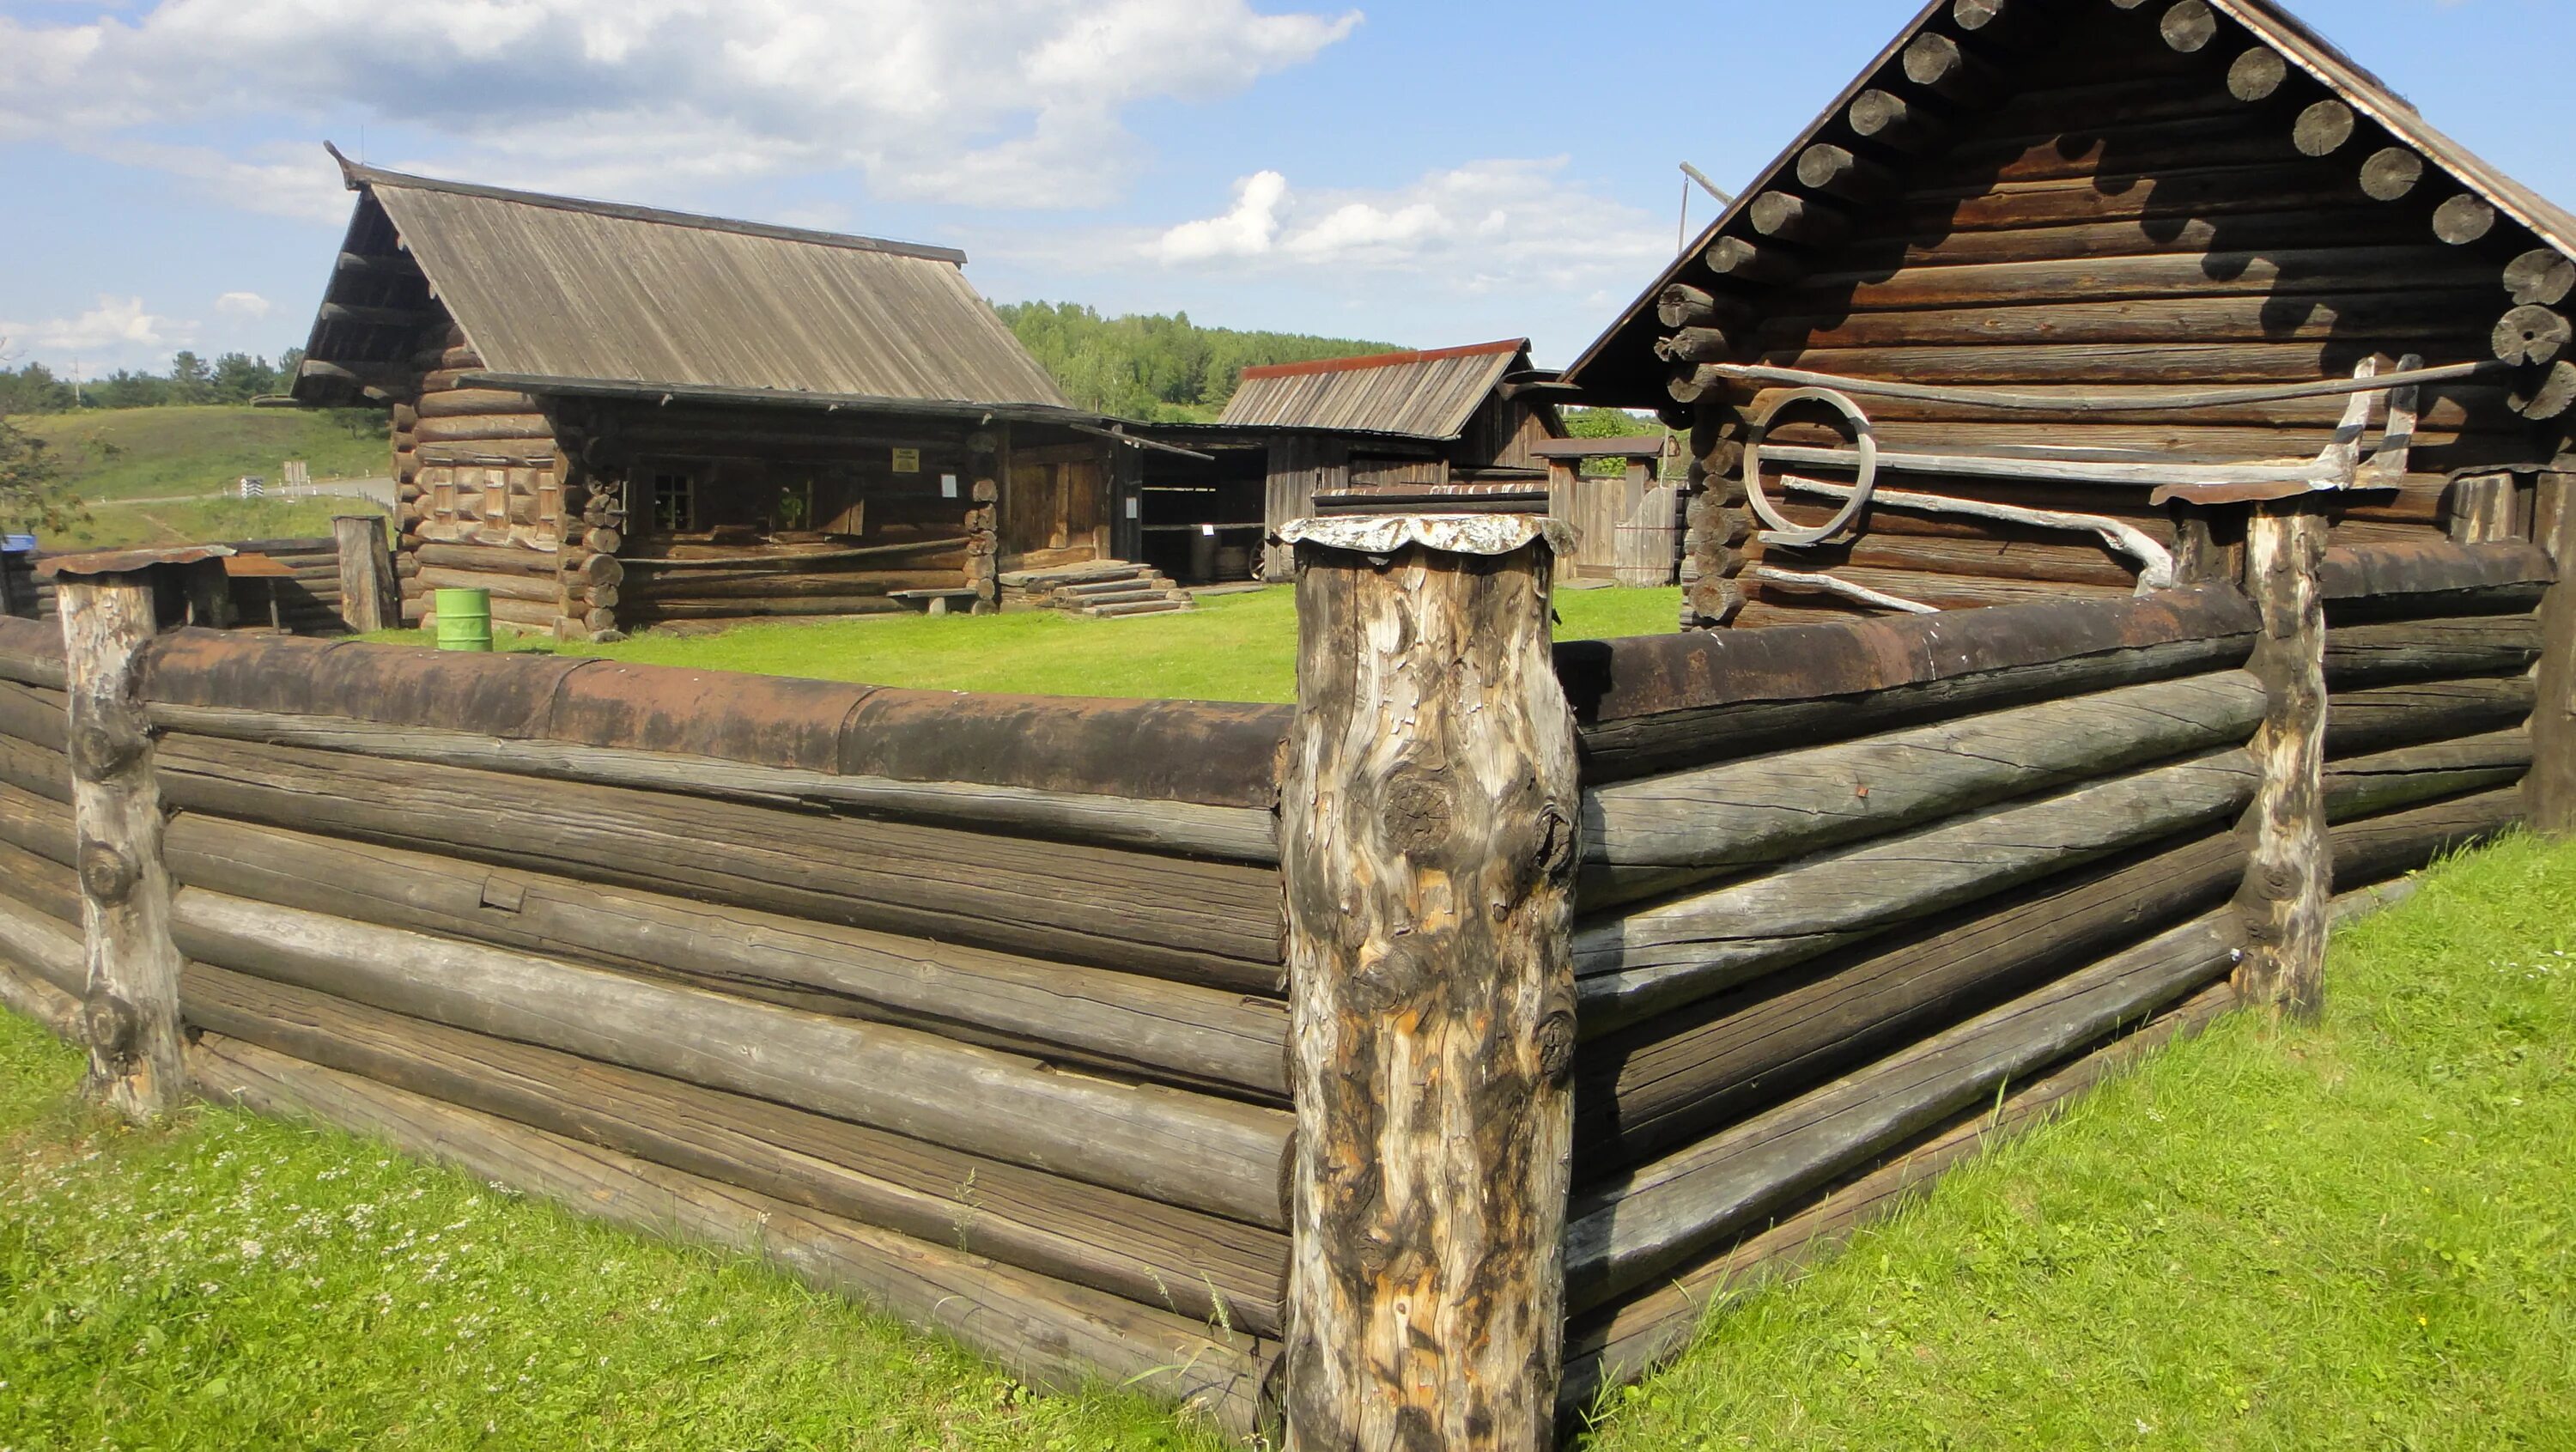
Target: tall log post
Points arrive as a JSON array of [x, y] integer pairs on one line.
[[2290, 879], [367, 591], [2551, 788], [1429, 841], [130, 1009]]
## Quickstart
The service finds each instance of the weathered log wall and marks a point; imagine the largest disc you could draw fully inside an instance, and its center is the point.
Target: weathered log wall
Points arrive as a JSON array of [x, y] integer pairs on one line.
[[2073, 199], [1842, 882], [306, 601], [980, 996]]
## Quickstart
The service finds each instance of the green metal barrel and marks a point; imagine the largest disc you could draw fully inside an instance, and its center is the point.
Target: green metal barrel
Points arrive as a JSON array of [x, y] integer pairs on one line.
[[464, 619]]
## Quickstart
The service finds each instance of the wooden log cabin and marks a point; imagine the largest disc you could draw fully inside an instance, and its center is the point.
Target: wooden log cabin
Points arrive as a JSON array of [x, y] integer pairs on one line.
[[1383, 425], [614, 417], [2083, 267]]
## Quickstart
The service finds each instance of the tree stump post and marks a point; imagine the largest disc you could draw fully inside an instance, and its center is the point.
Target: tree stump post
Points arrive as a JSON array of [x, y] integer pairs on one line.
[[2290, 880], [367, 590], [130, 1009], [1429, 840], [2551, 788]]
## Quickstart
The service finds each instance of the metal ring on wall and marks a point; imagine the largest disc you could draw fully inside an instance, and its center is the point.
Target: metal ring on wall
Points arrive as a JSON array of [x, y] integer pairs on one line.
[[1783, 531]]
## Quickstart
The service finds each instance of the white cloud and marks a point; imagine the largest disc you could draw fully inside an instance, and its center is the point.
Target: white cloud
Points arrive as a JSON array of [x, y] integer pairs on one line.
[[1480, 226], [243, 305], [988, 102], [1246, 231], [116, 323]]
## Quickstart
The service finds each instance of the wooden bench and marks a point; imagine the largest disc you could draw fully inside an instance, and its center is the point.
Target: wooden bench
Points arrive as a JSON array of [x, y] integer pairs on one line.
[[935, 602]]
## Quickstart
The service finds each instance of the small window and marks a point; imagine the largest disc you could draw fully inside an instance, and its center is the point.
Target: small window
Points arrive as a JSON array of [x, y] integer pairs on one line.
[[675, 501]]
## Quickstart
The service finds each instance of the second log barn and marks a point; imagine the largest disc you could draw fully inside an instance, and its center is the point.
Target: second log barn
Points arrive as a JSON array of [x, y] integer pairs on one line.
[[2090, 271], [614, 417]]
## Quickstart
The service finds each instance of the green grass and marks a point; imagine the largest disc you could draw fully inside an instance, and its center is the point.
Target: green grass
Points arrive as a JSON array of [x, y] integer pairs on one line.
[[2353, 1235], [151, 453], [233, 1282], [1231, 648], [2361, 1234], [199, 521]]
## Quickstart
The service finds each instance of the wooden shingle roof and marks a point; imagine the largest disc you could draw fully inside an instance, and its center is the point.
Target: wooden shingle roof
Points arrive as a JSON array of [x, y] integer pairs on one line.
[[555, 288], [1424, 395]]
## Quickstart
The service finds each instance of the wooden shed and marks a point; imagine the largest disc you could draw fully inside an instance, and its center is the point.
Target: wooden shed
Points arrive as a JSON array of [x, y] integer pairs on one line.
[[1443, 420], [2088, 271], [613, 416]]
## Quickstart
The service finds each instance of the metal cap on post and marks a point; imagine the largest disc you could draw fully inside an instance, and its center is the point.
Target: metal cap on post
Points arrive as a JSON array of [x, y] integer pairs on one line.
[[1429, 838], [130, 1004]]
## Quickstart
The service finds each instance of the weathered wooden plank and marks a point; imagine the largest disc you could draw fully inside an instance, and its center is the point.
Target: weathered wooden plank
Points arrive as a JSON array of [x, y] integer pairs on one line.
[[2369, 849], [1663, 832], [1052, 1333], [1186, 1149], [1649, 961], [1194, 921], [1646, 675], [2383, 652], [1117, 1022], [1191, 751], [1629, 1230], [1651, 1088], [1629, 747], [2382, 317], [2377, 718], [1197, 1265], [2432, 567], [2383, 781], [2552, 785]]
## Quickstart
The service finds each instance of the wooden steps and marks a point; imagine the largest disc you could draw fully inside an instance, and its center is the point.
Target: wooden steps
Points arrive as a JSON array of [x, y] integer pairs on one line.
[[1102, 589]]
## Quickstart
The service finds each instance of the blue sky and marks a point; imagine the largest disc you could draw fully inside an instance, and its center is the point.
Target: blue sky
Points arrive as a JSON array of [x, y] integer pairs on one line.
[[1421, 173]]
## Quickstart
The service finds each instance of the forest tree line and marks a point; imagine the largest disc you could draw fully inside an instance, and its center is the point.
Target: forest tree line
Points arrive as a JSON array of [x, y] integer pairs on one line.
[[230, 378]]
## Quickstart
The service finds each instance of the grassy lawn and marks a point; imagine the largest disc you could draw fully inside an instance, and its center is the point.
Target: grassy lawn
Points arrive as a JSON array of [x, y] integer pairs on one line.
[[198, 521], [1232, 648], [2355, 1235], [2358, 1235], [233, 1282]]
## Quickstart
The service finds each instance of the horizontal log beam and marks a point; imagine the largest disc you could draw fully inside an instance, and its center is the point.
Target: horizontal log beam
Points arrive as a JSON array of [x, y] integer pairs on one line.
[[1658, 1086], [1659, 833], [2431, 567], [1051, 1333], [2381, 652], [2378, 718], [1624, 1233], [1195, 1265], [2371, 849], [1632, 967], [1192, 1150], [1116, 1022], [1207, 923], [2362, 786]]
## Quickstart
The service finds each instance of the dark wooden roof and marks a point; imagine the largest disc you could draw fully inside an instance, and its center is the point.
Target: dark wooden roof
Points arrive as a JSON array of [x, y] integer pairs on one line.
[[1620, 367], [549, 287], [1423, 395]]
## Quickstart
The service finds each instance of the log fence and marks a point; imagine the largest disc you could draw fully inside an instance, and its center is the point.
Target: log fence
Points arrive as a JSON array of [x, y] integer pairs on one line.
[[1136, 1039], [343, 581]]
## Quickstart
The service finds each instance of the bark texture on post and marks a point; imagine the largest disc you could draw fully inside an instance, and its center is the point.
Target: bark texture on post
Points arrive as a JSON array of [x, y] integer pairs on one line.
[[367, 598], [130, 1010], [2551, 787], [1429, 825], [2291, 879]]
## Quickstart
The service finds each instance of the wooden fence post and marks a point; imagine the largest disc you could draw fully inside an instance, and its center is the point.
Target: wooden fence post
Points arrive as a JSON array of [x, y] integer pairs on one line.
[[2551, 787], [367, 590], [2291, 878], [130, 1009], [1429, 840]]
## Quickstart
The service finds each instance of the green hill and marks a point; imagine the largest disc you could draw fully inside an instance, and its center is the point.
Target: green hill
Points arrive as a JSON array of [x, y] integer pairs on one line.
[[157, 453]]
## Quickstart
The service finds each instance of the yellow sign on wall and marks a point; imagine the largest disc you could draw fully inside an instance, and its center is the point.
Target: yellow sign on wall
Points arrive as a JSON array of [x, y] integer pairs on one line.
[[907, 461]]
